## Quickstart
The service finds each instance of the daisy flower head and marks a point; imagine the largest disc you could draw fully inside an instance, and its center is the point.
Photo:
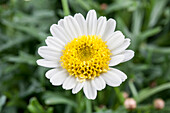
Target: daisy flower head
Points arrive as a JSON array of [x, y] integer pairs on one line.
[[80, 52]]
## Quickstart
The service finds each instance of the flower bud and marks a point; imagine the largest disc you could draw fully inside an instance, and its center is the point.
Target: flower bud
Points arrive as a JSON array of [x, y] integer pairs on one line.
[[153, 84], [159, 104], [125, 95], [102, 106], [130, 103], [103, 6]]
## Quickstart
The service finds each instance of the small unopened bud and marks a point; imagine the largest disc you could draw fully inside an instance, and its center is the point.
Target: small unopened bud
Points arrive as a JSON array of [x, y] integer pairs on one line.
[[102, 106], [153, 84], [159, 104], [130, 104], [125, 95], [103, 6]]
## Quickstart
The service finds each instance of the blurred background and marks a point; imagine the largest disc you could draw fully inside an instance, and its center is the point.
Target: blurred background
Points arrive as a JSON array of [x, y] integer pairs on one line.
[[24, 25]]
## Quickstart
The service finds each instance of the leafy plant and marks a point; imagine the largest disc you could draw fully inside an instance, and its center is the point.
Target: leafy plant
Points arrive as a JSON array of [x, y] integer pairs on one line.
[[25, 24]]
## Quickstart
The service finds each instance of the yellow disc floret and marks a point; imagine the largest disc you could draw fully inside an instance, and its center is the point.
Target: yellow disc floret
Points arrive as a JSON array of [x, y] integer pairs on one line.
[[86, 57]]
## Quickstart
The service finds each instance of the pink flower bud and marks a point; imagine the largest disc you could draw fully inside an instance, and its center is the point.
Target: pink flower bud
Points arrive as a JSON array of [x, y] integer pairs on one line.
[[125, 95], [102, 106], [103, 6], [130, 103], [159, 104], [153, 84]]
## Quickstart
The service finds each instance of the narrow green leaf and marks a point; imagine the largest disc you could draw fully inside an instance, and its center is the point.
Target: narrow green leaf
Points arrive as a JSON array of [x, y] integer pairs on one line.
[[12, 43], [59, 100], [22, 58], [53, 99], [30, 30], [118, 6], [137, 21], [68, 109], [133, 89], [35, 107], [147, 92], [2, 101], [148, 33], [84, 4], [156, 12], [123, 26], [156, 49]]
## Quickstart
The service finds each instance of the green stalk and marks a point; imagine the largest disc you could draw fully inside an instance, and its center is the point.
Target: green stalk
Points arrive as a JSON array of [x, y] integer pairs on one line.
[[133, 89], [78, 98], [88, 106], [119, 94], [65, 7]]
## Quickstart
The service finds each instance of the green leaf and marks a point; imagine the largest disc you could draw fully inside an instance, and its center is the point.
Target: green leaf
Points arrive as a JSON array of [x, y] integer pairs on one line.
[[119, 6], [84, 4], [68, 109], [35, 107], [156, 49], [147, 92], [2, 101], [149, 32], [156, 12], [123, 26], [53, 99], [12, 43], [27, 29], [22, 58], [133, 89], [137, 21]]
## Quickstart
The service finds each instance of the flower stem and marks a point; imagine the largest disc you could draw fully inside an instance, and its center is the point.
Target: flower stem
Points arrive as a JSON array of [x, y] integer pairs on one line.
[[78, 98], [119, 95], [88, 106], [65, 7]]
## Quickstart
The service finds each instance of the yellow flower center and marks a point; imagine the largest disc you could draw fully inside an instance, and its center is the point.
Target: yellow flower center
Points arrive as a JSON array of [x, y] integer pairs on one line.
[[86, 57]]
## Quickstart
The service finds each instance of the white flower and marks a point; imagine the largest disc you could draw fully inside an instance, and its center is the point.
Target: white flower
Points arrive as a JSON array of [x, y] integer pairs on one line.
[[80, 52]]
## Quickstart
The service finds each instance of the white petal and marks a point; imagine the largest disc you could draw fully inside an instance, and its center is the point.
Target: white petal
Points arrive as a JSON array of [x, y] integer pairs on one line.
[[99, 83], [61, 24], [49, 54], [82, 23], [101, 25], [58, 31], [89, 90], [129, 54], [122, 47], [52, 72], [72, 27], [119, 73], [59, 77], [78, 87], [49, 64], [115, 60], [91, 20], [69, 83], [111, 78], [110, 28], [54, 42], [115, 40]]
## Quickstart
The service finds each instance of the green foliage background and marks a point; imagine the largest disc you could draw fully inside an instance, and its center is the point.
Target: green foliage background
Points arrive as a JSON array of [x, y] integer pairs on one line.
[[24, 25]]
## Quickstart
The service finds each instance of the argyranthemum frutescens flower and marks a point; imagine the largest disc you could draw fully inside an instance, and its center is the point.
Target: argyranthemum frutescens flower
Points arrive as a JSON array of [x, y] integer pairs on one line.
[[80, 52]]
